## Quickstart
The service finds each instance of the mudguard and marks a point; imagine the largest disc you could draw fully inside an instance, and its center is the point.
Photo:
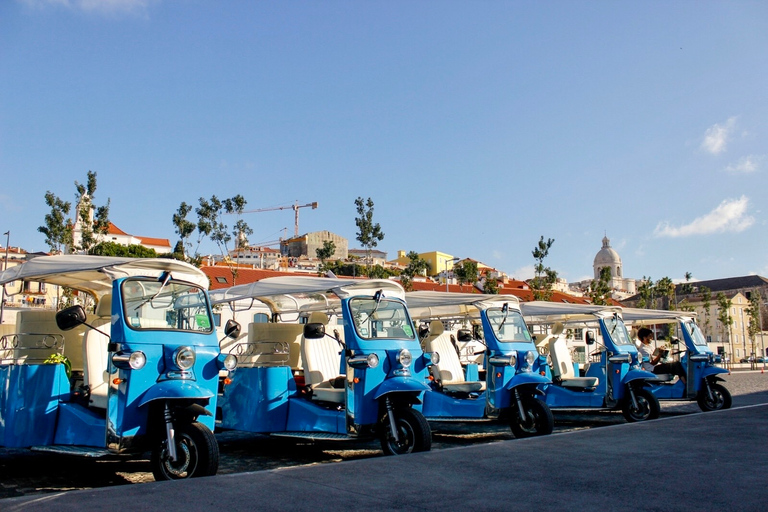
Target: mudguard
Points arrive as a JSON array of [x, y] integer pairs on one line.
[[713, 370], [175, 389], [636, 375], [522, 379], [400, 384]]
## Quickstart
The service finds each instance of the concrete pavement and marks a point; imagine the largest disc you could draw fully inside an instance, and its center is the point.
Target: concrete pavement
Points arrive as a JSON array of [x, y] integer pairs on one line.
[[690, 462]]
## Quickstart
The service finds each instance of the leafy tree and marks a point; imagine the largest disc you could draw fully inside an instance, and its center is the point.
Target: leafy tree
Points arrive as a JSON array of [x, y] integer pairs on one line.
[[94, 221], [328, 249], [210, 224], [706, 302], [466, 272], [123, 251], [600, 289], [416, 266], [646, 291], [57, 230], [724, 316], [184, 228], [491, 285], [753, 312], [369, 234], [545, 277]]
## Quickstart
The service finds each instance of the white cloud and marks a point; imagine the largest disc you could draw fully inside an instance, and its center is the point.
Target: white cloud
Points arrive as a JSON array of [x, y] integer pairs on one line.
[[96, 6], [729, 216], [717, 135], [746, 164], [523, 273]]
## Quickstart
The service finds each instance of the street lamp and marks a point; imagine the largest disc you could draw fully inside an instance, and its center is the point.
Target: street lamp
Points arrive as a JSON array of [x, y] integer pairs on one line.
[[5, 266], [454, 260]]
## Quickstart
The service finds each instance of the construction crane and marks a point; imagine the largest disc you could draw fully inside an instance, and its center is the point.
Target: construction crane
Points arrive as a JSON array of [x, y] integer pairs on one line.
[[295, 207]]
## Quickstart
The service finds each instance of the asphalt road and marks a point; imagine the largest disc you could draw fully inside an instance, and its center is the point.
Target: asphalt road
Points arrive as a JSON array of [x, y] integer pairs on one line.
[[24, 473]]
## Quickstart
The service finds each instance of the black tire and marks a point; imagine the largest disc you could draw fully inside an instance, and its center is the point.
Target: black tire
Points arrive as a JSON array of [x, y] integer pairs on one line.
[[722, 398], [648, 407], [196, 450], [539, 420], [413, 433]]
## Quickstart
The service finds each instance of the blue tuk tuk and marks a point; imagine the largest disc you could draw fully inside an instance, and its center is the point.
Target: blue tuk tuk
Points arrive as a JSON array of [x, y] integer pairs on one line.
[[137, 375], [324, 359], [509, 390], [613, 379], [698, 361]]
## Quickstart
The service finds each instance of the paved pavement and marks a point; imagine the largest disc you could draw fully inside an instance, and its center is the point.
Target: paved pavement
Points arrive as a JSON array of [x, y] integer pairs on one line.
[[696, 461]]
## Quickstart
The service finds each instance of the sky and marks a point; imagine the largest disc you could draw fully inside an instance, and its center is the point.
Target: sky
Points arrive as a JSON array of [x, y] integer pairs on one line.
[[475, 127]]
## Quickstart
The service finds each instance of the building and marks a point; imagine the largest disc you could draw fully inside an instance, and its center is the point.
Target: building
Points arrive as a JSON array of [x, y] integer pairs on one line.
[[377, 257], [258, 257], [307, 245], [120, 237], [607, 257]]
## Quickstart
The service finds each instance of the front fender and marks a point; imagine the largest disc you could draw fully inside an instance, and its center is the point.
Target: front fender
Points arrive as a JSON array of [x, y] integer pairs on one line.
[[713, 370], [399, 385], [522, 379], [171, 389], [637, 375]]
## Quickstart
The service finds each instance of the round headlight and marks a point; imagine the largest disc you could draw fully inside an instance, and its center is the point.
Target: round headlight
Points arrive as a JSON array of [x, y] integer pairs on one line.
[[530, 357], [405, 357], [513, 360], [435, 357], [373, 360], [137, 360], [184, 357], [230, 362]]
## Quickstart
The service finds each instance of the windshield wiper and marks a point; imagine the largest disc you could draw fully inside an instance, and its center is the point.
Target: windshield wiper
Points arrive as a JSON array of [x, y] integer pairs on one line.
[[164, 278]]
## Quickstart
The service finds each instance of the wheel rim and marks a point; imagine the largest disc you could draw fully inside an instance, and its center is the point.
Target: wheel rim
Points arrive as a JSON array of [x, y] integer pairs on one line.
[[530, 425], [405, 435], [185, 463], [716, 401], [643, 409]]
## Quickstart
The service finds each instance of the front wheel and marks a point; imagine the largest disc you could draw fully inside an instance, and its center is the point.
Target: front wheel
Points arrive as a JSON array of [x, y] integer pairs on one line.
[[413, 433], [648, 407], [197, 454], [720, 399], [538, 419]]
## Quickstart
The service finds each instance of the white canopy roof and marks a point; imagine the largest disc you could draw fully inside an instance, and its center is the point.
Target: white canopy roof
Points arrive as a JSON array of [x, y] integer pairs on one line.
[[426, 304], [537, 312], [636, 316], [289, 293], [94, 274]]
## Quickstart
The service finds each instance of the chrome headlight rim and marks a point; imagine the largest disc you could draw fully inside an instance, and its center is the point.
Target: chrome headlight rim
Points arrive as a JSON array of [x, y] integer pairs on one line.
[[137, 360], [405, 358], [184, 357], [435, 357], [373, 360], [230, 362], [530, 358]]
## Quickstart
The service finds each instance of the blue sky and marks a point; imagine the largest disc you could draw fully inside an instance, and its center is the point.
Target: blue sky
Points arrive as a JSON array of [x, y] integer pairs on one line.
[[475, 127]]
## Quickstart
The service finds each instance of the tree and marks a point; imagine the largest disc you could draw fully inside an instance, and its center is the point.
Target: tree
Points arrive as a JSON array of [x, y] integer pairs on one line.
[[545, 277], [725, 318], [466, 272], [706, 303], [57, 230], [369, 234], [184, 228], [124, 251], [645, 290], [600, 289], [328, 249], [210, 224], [416, 266], [491, 286], [753, 311], [93, 221]]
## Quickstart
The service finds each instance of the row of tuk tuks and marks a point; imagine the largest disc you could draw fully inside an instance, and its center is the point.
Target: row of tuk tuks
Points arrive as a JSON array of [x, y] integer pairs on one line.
[[147, 361]]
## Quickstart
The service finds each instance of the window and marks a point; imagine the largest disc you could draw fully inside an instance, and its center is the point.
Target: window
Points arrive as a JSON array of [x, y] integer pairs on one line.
[[221, 279]]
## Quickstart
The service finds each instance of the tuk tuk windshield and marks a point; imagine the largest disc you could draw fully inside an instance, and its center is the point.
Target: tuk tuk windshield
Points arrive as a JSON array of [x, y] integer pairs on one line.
[[384, 319], [618, 330], [177, 306], [508, 326], [695, 332]]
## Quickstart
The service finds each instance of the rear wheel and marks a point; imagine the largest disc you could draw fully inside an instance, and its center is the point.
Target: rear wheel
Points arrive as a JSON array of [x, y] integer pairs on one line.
[[538, 419], [647, 408], [413, 433], [197, 454], [720, 399]]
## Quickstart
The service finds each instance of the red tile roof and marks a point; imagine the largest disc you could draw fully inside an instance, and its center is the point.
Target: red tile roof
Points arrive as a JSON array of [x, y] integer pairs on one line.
[[160, 242]]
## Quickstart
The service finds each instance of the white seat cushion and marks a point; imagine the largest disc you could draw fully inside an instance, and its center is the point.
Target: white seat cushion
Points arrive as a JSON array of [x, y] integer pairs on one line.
[[562, 366]]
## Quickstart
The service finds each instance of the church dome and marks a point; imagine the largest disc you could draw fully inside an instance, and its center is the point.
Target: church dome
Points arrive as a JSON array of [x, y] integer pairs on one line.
[[607, 257]]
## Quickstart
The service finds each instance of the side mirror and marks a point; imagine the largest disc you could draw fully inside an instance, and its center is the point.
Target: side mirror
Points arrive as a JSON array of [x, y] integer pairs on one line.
[[314, 331], [675, 341], [590, 338], [232, 329], [70, 317], [464, 335]]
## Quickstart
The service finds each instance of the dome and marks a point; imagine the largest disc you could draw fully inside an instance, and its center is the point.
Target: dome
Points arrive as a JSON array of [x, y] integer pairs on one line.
[[607, 257]]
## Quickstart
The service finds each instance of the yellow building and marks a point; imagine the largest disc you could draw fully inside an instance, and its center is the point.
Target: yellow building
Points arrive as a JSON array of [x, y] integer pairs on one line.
[[438, 262]]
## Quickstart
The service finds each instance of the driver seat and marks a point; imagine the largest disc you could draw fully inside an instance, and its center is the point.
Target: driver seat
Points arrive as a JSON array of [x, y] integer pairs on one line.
[[448, 373], [322, 361], [562, 367], [96, 355]]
